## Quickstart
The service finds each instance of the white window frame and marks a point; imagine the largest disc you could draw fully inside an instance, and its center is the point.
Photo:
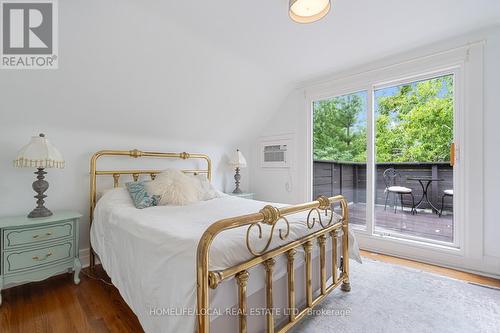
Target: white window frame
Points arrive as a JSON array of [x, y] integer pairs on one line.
[[466, 64]]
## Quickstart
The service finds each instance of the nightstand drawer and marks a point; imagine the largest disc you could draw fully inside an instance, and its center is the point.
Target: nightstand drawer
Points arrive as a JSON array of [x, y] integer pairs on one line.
[[29, 259], [33, 236]]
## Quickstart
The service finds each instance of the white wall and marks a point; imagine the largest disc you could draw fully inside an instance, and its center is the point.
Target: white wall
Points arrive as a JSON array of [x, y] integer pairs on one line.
[[290, 118], [128, 77], [491, 145], [270, 184], [69, 187]]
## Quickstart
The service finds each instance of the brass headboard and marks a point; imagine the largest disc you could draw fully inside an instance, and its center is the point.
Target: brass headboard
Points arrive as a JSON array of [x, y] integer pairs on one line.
[[136, 173]]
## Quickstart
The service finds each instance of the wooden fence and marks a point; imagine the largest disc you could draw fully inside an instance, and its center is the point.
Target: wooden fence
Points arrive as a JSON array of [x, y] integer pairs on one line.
[[349, 179]]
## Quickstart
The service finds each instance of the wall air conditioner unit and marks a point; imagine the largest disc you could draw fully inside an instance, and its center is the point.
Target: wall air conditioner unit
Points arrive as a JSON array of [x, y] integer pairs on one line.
[[274, 155]]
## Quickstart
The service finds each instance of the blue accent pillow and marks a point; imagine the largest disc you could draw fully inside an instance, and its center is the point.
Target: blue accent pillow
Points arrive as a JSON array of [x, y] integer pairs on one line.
[[140, 196]]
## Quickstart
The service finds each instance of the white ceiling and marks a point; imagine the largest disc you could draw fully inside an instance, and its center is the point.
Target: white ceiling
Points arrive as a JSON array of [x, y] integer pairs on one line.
[[354, 32]]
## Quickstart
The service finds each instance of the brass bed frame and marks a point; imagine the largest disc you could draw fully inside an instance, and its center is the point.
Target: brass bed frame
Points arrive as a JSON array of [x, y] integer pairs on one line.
[[270, 216]]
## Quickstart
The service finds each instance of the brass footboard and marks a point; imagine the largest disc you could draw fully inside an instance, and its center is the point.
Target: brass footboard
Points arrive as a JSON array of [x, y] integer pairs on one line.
[[273, 216]]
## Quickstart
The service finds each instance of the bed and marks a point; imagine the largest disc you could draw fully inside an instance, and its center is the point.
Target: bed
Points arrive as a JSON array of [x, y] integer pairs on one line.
[[227, 264]]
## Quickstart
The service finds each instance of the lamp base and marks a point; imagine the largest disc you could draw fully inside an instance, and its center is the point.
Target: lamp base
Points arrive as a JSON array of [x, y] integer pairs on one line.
[[40, 212], [40, 186], [237, 178]]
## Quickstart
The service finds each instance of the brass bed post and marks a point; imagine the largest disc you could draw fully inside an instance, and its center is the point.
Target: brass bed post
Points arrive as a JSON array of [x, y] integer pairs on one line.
[[334, 255], [291, 283], [307, 252], [204, 278], [322, 263], [269, 265], [202, 284], [92, 200], [242, 279], [346, 285]]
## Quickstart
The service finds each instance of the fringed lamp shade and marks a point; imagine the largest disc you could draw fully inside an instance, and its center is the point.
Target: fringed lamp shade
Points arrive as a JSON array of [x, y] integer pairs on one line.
[[238, 160], [39, 153]]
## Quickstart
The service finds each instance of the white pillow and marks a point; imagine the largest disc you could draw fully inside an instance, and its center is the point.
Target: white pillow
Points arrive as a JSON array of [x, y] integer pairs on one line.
[[206, 190], [174, 188], [177, 188]]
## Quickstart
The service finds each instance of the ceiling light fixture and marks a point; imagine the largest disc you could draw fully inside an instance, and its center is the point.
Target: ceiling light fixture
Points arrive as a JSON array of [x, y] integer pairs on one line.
[[308, 11]]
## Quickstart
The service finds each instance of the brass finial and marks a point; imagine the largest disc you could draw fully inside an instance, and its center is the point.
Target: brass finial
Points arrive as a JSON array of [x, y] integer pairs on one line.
[[242, 278], [269, 264], [271, 214], [324, 202], [214, 279], [135, 153]]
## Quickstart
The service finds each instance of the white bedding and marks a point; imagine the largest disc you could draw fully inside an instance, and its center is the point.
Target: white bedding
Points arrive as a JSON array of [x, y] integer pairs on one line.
[[150, 254]]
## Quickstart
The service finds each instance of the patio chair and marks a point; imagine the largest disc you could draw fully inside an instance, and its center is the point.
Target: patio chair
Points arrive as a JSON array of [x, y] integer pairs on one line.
[[446, 193], [391, 186]]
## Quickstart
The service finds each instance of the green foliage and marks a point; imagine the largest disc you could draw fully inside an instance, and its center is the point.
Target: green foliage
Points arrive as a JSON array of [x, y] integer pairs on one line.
[[413, 124], [416, 123], [337, 134]]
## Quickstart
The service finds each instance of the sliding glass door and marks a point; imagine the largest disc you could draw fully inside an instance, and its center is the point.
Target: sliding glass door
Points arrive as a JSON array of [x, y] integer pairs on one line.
[[390, 151], [414, 176]]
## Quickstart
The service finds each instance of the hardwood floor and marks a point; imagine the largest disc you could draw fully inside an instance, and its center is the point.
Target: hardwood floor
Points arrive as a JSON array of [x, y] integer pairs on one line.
[[58, 306]]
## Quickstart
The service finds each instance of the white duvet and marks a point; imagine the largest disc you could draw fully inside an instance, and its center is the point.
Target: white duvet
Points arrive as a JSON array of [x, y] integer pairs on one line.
[[150, 254]]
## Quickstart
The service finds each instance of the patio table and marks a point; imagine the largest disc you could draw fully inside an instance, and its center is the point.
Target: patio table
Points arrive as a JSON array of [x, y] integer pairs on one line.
[[427, 180]]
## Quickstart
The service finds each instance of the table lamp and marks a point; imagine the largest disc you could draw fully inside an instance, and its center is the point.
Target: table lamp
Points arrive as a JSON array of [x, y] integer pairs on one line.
[[39, 153], [238, 161]]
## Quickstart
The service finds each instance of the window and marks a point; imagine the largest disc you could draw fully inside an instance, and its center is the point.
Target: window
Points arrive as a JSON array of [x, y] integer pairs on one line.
[[339, 149]]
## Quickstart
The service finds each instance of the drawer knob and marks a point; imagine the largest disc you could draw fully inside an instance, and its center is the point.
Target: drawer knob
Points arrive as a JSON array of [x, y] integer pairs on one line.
[[37, 258]]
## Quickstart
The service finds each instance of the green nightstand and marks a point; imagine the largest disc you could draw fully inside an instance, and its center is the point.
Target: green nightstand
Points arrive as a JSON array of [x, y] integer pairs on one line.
[[33, 249], [243, 195]]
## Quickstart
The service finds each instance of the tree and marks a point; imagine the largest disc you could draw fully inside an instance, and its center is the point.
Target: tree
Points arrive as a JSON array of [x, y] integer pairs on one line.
[[337, 134], [416, 123], [413, 123]]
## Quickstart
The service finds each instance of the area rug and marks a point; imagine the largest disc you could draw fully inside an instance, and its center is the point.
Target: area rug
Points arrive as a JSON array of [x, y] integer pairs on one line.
[[392, 298]]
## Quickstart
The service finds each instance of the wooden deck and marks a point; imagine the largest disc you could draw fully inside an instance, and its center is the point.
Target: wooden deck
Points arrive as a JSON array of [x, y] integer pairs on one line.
[[424, 224]]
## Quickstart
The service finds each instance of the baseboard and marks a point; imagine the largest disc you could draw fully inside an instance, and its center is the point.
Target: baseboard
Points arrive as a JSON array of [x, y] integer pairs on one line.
[[85, 257]]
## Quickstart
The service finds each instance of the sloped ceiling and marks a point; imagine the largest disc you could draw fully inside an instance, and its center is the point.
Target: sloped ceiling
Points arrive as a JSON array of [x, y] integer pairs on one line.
[[211, 70], [354, 32]]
